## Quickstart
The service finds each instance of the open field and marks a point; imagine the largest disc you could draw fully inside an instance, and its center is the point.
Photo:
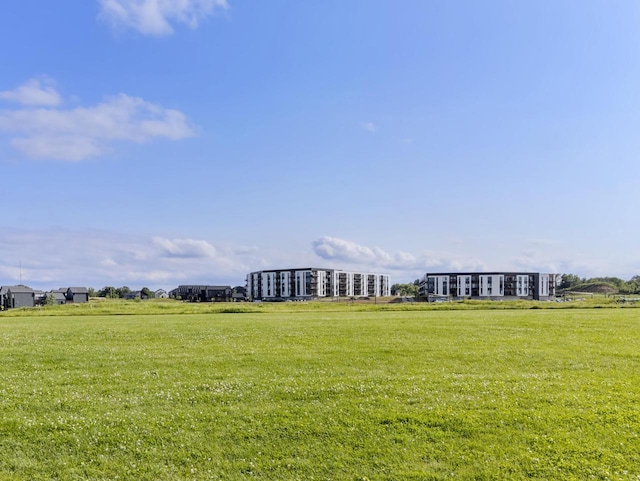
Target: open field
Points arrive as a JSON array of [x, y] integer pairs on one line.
[[319, 392]]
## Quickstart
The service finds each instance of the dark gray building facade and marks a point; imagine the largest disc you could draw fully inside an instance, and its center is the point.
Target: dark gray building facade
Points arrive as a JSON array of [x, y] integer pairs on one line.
[[12, 297], [202, 293]]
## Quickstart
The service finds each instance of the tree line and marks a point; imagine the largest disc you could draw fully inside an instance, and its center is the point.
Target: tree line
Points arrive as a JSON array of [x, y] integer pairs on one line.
[[119, 292], [572, 282], [406, 290]]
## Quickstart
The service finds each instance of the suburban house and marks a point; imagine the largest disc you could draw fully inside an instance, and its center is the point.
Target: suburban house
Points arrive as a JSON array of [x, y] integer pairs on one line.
[[12, 297], [60, 296], [239, 294], [161, 294], [312, 283], [202, 293], [77, 294], [488, 285]]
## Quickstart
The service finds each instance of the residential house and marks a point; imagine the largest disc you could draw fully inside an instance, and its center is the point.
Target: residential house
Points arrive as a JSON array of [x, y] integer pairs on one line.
[[239, 294], [161, 294], [19, 296], [59, 295], [77, 294]]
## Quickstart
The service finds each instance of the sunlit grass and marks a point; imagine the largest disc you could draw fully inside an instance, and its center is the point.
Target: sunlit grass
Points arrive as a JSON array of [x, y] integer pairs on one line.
[[299, 392], [101, 306]]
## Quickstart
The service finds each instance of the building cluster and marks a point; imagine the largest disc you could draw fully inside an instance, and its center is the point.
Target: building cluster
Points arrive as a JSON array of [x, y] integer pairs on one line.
[[300, 284], [21, 296], [313, 283], [142, 295]]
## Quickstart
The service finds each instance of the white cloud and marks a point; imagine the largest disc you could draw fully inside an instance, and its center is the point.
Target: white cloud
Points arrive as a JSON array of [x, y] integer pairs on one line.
[[52, 258], [544, 257], [34, 93], [155, 17], [351, 253], [185, 248], [80, 133], [61, 147]]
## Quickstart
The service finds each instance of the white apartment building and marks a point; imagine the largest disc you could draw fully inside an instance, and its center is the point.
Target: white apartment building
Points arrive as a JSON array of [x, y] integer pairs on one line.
[[313, 282], [489, 285]]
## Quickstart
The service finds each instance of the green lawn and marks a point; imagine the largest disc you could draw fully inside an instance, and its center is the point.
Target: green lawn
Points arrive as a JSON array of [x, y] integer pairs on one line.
[[321, 393]]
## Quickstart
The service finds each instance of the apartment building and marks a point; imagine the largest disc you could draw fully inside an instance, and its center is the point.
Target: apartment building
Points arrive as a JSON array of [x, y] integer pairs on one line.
[[313, 282], [489, 285]]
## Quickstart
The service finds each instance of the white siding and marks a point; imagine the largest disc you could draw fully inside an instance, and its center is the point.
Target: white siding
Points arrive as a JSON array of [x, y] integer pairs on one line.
[[492, 285], [268, 284], [543, 288], [522, 285], [322, 284], [464, 286]]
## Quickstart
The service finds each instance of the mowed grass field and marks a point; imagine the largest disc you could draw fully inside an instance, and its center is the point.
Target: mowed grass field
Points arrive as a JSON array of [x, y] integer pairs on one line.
[[325, 394]]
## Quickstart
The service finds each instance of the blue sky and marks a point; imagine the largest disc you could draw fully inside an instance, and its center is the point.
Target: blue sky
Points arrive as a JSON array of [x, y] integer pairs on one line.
[[158, 142]]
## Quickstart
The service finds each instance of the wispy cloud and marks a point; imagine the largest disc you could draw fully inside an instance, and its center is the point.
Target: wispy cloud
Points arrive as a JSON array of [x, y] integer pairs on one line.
[[185, 248], [56, 257], [156, 17], [34, 92], [49, 131], [348, 254]]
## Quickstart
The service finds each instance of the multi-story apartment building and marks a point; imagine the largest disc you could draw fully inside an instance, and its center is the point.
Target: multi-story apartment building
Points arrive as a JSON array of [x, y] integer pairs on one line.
[[489, 285], [313, 282]]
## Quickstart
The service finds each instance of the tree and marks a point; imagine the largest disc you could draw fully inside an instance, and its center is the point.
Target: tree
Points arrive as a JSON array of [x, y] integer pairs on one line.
[[145, 293], [50, 300], [108, 292], [632, 286], [570, 280], [122, 291], [405, 290]]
